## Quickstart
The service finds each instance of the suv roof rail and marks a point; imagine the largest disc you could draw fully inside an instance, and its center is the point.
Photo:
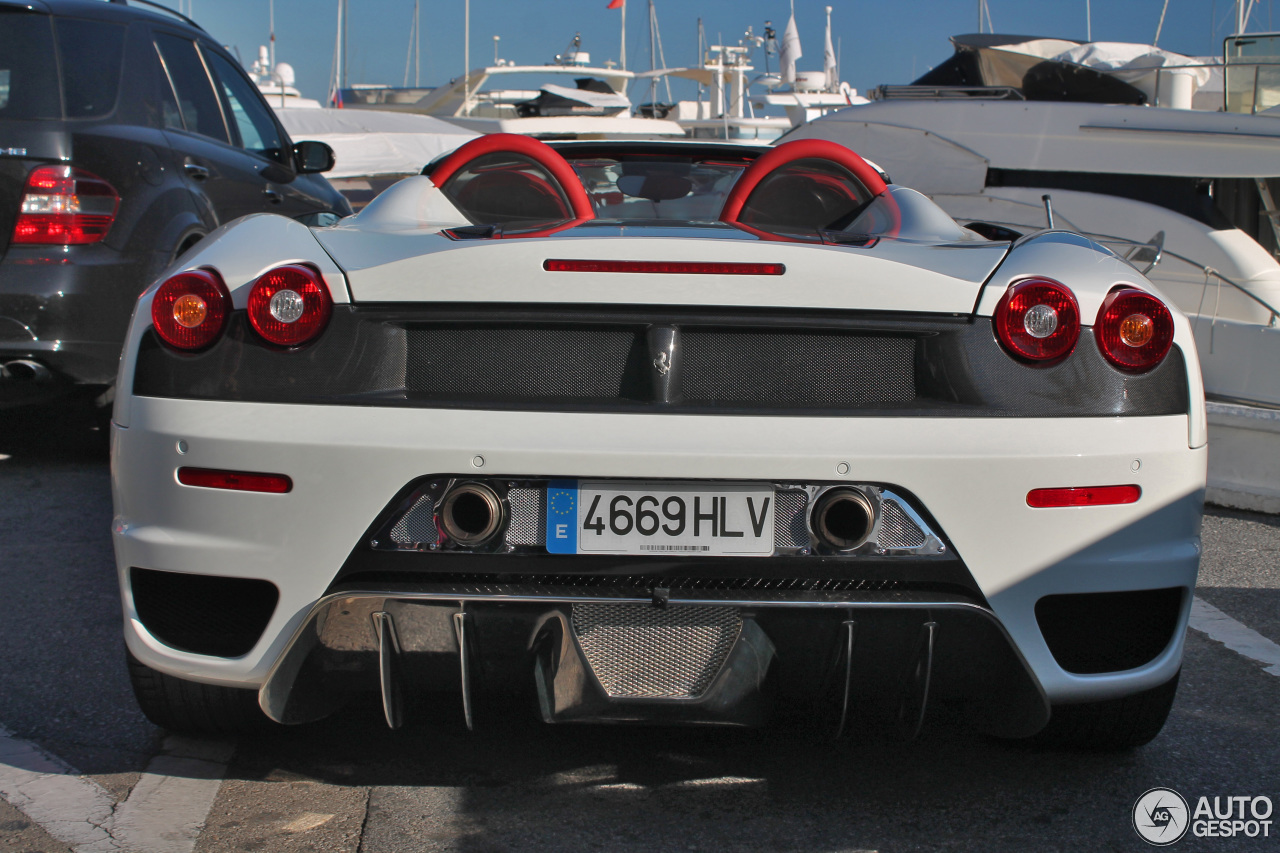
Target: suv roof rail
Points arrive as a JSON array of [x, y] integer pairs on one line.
[[161, 8]]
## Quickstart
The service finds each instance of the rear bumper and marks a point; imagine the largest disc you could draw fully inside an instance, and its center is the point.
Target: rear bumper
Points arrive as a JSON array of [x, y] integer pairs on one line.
[[970, 475], [67, 309]]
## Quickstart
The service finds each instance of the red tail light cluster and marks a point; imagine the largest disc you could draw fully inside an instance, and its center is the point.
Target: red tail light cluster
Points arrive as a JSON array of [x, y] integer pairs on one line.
[[289, 305], [1038, 319], [65, 206], [190, 310], [1134, 329]]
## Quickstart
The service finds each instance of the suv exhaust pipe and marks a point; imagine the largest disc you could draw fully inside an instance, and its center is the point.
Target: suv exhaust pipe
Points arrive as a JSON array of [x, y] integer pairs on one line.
[[842, 518], [25, 370], [472, 514]]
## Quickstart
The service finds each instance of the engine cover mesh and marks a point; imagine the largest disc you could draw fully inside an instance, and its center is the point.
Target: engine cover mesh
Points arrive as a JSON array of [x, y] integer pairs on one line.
[[640, 651]]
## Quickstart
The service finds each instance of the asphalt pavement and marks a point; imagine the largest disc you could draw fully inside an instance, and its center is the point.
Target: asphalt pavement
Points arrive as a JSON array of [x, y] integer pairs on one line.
[[71, 734]]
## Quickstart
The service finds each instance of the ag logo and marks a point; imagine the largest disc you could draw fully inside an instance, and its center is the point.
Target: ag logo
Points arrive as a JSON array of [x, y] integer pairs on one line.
[[1160, 816]]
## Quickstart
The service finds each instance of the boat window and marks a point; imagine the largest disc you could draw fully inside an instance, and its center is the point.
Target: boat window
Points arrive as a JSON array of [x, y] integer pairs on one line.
[[662, 190], [1188, 196], [28, 73], [508, 189]]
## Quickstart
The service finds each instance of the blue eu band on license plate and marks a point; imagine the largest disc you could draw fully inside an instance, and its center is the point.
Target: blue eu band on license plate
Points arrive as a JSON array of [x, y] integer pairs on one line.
[[694, 519]]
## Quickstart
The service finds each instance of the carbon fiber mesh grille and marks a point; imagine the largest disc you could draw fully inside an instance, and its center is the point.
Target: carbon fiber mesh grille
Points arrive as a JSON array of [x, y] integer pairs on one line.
[[521, 362], [896, 529], [799, 368], [789, 528], [527, 524], [638, 651], [417, 525]]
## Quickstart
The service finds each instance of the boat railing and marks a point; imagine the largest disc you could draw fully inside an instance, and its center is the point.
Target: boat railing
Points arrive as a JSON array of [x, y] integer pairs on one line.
[[1252, 72], [990, 93], [1136, 255], [1249, 86]]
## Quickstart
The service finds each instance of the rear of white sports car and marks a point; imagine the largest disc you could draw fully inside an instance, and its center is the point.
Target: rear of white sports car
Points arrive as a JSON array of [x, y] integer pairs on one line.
[[665, 466]]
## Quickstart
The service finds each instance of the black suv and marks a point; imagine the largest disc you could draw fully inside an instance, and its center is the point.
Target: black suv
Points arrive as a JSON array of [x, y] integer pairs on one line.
[[126, 136]]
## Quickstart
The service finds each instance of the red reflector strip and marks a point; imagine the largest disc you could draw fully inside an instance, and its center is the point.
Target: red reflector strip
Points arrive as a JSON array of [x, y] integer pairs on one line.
[[1083, 496], [671, 267], [236, 481]]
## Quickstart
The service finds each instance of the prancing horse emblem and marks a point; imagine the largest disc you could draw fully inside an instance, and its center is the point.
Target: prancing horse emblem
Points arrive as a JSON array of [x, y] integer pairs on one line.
[[662, 363]]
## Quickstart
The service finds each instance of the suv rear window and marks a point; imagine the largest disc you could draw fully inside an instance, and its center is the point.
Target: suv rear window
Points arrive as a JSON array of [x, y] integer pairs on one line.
[[28, 69], [91, 53]]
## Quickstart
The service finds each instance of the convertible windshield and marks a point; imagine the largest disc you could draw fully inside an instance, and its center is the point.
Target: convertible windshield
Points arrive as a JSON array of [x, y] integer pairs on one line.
[[663, 190]]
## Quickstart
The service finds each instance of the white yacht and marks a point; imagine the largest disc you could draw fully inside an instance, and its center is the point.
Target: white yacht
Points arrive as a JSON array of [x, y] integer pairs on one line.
[[572, 99], [733, 110], [1117, 140], [275, 82]]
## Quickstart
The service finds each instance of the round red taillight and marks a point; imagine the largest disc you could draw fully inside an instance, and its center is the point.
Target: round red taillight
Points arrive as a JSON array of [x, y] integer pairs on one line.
[[1038, 319], [190, 310], [1134, 329], [289, 305]]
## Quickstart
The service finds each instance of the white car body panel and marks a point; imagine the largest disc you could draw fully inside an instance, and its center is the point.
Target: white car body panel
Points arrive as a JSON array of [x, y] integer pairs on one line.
[[354, 458]]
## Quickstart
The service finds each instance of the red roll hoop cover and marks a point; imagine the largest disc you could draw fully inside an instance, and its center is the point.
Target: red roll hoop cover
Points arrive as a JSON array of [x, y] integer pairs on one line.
[[789, 152], [536, 150]]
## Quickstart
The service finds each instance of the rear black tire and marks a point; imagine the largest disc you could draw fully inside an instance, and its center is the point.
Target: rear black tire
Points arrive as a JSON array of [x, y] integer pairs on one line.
[[191, 707], [1113, 725]]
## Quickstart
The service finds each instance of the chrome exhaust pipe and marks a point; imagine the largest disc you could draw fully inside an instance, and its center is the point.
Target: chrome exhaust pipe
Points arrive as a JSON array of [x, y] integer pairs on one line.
[[472, 514], [842, 518], [26, 370]]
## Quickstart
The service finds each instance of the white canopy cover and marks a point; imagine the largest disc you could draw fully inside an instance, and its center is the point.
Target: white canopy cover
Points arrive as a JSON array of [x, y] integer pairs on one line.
[[373, 142]]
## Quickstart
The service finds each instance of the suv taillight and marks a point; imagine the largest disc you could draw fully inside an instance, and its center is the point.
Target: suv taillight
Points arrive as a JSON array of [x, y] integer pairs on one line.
[[289, 305], [1134, 329], [65, 206], [190, 310], [1038, 319]]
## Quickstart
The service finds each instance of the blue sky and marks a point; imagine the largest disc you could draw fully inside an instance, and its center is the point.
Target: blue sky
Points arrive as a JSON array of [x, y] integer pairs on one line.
[[885, 41]]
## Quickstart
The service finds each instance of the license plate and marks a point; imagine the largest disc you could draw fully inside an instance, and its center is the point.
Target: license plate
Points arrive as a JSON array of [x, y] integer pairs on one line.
[[601, 517]]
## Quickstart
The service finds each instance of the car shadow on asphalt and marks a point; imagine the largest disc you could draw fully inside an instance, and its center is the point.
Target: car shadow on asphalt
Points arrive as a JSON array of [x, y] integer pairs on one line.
[[64, 431]]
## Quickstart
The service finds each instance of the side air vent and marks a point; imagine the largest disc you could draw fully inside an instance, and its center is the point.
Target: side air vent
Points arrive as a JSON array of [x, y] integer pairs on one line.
[[203, 614], [1097, 632]]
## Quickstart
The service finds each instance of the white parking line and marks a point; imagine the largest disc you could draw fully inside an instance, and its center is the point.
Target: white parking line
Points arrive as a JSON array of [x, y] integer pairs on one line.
[[1245, 641], [168, 807], [164, 813], [73, 810]]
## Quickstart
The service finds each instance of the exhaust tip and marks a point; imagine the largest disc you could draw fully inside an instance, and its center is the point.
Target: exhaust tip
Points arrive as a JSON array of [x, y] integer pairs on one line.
[[472, 514], [842, 518], [26, 370]]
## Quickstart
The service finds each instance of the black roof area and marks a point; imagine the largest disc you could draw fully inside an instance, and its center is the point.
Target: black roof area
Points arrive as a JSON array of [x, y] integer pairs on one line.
[[108, 10]]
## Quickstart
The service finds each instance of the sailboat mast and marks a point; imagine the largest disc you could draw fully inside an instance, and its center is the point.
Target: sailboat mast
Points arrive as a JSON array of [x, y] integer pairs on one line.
[[622, 58], [339, 72], [466, 58], [653, 56]]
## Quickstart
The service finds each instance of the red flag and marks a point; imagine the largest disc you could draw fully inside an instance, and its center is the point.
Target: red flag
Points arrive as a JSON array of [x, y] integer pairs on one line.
[[616, 4]]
